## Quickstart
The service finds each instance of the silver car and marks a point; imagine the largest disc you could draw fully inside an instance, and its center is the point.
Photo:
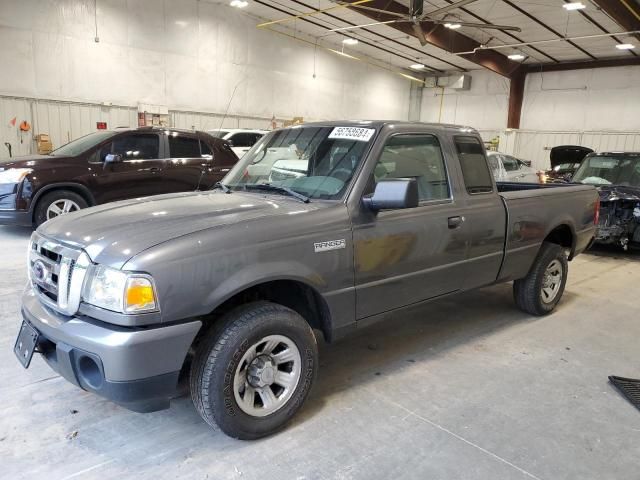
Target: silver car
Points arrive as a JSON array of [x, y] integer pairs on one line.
[[506, 168]]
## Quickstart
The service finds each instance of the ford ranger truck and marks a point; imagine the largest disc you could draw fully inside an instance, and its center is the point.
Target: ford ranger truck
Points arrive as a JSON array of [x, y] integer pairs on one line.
[[231, 287]]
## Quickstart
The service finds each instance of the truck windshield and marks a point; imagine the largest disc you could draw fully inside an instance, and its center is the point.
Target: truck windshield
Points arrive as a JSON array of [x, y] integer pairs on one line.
[[81, 144], [317, 162], [623, 170]]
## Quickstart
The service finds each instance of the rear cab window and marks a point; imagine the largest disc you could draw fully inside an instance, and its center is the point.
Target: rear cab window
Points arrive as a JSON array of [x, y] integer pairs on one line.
[[475, 170]]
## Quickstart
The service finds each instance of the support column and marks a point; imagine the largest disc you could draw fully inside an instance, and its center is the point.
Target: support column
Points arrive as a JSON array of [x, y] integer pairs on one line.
[[516, 95]]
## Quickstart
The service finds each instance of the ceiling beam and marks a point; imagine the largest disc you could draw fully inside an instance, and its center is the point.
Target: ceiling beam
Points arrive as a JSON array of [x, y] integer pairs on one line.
[[625, 13], [443, 38], [591, 20], [557, 67], [409, 59], [542, 24], [506, 32], [389, 39]]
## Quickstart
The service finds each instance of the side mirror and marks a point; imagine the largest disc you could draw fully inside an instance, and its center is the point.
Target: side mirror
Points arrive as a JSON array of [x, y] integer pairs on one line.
[[393, 194], [112, 158], [230, 142]]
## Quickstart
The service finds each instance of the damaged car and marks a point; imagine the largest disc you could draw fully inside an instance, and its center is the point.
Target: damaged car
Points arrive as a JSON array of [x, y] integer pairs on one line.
[[565, 160], [617, 178]]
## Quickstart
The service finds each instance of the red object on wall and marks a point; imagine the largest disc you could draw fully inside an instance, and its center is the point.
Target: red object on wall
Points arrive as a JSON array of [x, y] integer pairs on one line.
[[101, 125]]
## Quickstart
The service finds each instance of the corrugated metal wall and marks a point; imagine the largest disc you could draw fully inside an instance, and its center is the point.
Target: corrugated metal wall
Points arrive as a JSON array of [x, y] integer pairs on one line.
[[66, 121], [535, 145]]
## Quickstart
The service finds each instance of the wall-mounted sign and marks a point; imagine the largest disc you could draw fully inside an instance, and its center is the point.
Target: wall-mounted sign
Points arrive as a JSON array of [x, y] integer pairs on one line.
[[101, 125]]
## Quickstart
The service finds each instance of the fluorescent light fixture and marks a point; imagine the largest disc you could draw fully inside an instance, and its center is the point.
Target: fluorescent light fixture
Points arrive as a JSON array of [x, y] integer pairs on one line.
[[414, 79], [417, 66], [452, 26], [625, 46], [350, 41], [515, 56], [342, 54], [574, 6], [239, 3]]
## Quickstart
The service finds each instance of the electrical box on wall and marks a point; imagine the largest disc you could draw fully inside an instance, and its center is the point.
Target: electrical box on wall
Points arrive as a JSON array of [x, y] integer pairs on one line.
[[430, 82], [455, 82]]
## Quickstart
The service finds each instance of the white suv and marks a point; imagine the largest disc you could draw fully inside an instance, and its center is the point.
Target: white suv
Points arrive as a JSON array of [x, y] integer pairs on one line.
[[241, 139]]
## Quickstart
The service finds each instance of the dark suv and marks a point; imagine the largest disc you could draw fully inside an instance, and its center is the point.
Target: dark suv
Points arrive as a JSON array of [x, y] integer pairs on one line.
[[107, 166]]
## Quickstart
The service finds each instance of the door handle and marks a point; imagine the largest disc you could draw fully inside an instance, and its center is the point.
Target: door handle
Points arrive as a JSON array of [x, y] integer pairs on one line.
[[154, 169], [225, 169], [455, 222]]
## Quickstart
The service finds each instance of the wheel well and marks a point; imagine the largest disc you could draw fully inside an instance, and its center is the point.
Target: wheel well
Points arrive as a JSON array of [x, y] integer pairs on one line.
[[72, 188], [297, 296], [561, 235]]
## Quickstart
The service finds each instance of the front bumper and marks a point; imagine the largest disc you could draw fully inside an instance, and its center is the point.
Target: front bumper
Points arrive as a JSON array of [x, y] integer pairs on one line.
[[135, 368]]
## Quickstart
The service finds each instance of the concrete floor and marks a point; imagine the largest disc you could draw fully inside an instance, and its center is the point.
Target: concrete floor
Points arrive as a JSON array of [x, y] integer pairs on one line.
[[467, 387]]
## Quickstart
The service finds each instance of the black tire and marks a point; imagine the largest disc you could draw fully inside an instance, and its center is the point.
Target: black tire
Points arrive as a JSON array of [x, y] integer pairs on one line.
[[528, 291], [48, 199], [217, 360]]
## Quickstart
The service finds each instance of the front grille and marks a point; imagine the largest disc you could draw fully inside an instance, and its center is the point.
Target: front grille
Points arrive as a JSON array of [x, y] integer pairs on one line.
[[57, 273]]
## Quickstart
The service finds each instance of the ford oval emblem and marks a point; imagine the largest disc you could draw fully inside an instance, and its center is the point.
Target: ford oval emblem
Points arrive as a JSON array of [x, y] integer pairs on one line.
[[39, 271]]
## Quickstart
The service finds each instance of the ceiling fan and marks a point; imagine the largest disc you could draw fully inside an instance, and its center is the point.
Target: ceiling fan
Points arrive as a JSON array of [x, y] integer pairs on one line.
[[416, 15]]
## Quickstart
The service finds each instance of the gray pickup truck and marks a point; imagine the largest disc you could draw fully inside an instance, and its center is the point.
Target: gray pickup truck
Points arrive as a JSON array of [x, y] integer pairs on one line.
[[319, 229]]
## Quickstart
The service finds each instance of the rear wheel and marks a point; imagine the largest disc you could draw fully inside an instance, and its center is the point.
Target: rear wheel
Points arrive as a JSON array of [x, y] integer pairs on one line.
[[252, 372], [56, 203], [540, 291]]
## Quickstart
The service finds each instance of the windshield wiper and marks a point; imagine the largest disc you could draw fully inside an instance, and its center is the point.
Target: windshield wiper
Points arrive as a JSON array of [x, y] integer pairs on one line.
[[277, 188], [224, 188]]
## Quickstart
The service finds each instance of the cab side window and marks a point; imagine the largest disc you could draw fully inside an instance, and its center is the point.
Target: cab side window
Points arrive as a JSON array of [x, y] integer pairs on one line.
[[419, 157], [475, 170], [135, 147]]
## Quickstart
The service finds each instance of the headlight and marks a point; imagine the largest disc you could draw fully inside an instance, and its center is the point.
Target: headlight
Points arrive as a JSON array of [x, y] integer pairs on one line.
[[14, 175], [120, 291]]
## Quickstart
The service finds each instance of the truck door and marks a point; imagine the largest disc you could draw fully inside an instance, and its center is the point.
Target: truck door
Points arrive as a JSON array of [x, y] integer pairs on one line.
[[408, 255], [484, 212]]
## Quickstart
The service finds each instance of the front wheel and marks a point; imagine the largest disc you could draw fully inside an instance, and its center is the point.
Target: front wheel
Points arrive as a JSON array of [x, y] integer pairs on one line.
[[56, 203], [540, 291], [251, 373]]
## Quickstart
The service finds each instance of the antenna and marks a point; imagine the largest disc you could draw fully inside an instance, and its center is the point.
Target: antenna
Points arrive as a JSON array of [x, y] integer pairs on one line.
[[230, 100]]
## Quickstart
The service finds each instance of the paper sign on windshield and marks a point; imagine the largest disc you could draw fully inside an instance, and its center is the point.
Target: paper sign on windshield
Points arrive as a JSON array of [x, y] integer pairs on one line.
[[353, 133]]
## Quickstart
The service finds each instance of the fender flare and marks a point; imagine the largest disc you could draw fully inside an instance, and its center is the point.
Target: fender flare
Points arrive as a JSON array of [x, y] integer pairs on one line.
[[564, 221], [272, 272], [85, 192]]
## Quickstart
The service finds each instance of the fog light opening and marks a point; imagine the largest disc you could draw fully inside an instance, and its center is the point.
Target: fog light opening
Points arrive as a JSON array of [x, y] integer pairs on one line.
[[90, 372]]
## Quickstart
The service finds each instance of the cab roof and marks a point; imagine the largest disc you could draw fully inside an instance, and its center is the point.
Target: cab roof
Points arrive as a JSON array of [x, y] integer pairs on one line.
[[378, 124]]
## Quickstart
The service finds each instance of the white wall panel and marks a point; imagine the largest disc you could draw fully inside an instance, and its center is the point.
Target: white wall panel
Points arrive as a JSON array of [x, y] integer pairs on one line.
[[483, 106], [583, 100], [535, 145], [185, 54]]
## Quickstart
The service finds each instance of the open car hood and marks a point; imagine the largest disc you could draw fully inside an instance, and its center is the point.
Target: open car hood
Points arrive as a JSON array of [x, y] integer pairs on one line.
[[568, 154]]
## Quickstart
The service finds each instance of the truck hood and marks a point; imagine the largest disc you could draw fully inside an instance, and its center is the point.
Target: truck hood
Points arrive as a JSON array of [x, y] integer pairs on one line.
[[113, 233], [611, 193]]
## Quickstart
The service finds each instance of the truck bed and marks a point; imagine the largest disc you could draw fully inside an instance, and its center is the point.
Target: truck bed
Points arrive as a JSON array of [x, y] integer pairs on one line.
[[533, 210]]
